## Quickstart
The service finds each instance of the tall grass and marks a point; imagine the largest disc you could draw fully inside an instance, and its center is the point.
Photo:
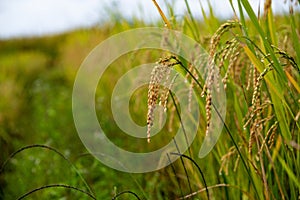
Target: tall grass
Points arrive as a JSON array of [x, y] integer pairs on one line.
[[259, 63], [256, 157]]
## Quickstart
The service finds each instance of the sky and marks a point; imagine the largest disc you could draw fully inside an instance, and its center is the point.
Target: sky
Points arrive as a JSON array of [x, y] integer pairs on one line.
[[21, 18]]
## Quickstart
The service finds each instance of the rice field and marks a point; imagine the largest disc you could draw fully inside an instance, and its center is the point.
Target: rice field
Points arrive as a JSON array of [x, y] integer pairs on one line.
[[254, 60]]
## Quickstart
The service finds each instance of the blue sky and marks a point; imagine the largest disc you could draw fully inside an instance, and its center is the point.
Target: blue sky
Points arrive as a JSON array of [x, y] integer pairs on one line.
[[37, 17]]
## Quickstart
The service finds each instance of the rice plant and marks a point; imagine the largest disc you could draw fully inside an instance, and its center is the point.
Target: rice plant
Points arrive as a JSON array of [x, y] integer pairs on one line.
[[257, 59], [261, 80]]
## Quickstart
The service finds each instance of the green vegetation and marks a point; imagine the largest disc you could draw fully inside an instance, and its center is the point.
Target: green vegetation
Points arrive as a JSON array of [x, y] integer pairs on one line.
[[256, 157]]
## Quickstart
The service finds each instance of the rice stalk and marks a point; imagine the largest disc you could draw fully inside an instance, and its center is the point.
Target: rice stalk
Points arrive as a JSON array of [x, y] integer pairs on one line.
[[272, 133], [257, 82], [269, 137], [218, 34], [163, 16], [212, 73], [233, 58], [160, 71], [225, 160]]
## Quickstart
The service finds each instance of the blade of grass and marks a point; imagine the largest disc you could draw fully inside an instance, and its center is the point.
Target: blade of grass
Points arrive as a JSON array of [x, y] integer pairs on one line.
[[190, 28], [206, 19], [178, 114], [289, 171], [174, 171], [293, 81], [51, 149], [271, 27], [295, 38], [211, 22], [194, 23], [266, 43], [170, 6], [214, 19], [126, 192], [56, 186], [233, 9], [198, 167], [185, 170]]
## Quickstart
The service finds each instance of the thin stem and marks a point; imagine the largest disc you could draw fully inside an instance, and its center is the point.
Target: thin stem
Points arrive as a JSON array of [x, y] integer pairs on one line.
[[56, 186], [174, 171], [198, 167], [51, 149], [124, 192], [163, 16]]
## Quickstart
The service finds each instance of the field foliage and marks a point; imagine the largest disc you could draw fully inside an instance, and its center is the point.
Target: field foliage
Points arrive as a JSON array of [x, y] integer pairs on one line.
[[256, 157]]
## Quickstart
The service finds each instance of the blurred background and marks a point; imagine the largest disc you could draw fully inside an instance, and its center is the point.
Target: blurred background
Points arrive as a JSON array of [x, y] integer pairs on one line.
[[20, 18]]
